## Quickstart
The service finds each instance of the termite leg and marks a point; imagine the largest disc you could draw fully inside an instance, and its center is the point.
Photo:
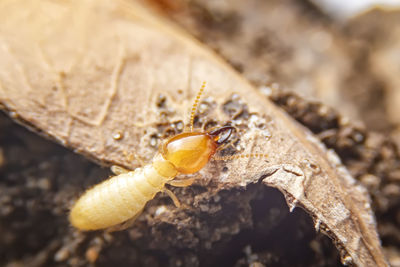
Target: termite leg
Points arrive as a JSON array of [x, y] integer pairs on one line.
[[173, 197], [182, 183], [117, 170], [122, 226]]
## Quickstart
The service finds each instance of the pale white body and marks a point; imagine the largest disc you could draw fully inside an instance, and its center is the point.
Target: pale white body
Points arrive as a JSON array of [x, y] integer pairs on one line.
[[117, 199]]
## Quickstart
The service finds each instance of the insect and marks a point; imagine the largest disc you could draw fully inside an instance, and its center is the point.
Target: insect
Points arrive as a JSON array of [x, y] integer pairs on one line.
[[121, 198]]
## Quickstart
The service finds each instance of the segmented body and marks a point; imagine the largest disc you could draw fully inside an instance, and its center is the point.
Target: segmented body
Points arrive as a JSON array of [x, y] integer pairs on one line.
[[121, 197]]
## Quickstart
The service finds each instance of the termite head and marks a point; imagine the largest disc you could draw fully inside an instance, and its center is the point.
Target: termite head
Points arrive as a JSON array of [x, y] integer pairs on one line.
[[189, 152]]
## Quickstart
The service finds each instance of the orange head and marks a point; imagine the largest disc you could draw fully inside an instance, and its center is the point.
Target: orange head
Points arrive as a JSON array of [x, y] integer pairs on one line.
[[190, 151]]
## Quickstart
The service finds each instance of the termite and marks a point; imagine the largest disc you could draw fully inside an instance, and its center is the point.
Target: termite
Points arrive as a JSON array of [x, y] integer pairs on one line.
[[121, 198]]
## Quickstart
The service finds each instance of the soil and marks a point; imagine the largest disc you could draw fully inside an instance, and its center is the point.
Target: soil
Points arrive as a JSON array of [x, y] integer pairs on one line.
[[39, 179]]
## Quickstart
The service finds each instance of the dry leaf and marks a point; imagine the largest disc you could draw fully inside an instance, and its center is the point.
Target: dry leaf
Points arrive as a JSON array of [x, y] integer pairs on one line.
[[108, 78]]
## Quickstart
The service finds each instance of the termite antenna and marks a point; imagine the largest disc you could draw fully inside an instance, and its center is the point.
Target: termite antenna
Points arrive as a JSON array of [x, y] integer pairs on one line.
[[240, 156], [195, 104]]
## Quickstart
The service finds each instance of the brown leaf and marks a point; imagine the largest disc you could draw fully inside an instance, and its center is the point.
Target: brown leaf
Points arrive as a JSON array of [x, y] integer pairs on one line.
[[108, 78]]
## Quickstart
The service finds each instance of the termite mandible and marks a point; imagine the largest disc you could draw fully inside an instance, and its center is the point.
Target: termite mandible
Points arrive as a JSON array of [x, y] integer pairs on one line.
[[121, 198]]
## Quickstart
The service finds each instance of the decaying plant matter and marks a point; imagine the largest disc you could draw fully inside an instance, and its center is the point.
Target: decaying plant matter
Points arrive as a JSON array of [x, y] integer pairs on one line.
[[108, 78]]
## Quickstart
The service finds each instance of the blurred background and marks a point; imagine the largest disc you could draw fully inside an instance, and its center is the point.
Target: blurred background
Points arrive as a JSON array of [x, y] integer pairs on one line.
[[333, 65], [342, 53]]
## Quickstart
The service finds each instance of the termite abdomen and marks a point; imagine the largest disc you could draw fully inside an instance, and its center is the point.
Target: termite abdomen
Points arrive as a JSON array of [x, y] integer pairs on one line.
[[117, 199]]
